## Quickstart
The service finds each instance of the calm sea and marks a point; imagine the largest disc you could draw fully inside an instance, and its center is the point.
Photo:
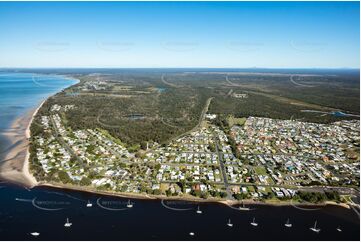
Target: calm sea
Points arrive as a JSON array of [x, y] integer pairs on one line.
[[45, 210], [21, 92]]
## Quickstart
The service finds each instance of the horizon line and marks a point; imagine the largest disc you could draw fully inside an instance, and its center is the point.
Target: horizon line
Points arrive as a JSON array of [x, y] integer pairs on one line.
[[320, 68]]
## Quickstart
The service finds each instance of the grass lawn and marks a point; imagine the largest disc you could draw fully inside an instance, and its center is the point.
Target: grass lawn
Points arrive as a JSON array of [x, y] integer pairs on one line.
[[235, 121], [260, 170], [250, 188], [268, 189]]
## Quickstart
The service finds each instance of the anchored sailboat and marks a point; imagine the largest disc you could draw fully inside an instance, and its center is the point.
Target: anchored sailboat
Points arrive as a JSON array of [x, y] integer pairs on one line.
[[129, 205], [243, 207], [314, 228], [288, 224], [198, 210], [253, 223], [89, 204], [229, 224], [67, 223]]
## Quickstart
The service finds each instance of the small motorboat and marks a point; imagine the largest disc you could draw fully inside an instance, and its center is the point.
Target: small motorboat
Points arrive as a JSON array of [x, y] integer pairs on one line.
[[35, 234], [191, 233], [229, 224], [67, 223], [253, 223], [288, 224], [314, 228], [339, 229]]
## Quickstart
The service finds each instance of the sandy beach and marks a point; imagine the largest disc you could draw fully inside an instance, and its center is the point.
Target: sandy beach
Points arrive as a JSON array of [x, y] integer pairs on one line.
[[190, 199], [15, 163]]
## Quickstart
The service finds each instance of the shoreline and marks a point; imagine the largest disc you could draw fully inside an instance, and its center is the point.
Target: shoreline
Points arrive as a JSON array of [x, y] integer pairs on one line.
[[14, 166], [229, 203]]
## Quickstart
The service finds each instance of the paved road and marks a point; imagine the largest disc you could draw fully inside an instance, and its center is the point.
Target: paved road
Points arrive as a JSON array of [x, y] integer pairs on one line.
[[223, 171], [64, 144], [113, 151]]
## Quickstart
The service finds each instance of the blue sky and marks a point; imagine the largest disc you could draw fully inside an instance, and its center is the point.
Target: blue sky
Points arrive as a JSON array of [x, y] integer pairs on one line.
[[180, 34]]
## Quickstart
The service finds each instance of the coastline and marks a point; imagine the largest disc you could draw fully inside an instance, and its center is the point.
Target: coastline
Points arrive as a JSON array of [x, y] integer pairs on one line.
[[15, 165], [229, 203], [15, 168]]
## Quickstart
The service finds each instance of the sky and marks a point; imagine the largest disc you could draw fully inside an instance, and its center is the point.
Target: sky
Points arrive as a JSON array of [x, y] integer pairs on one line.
[[180, 34]]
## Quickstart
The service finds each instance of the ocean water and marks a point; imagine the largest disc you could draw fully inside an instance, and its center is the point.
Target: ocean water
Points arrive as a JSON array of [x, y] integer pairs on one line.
[[45, 209], [21, 92]]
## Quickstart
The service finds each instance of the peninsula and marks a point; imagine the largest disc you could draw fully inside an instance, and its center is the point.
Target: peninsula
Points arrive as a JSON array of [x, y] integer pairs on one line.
[[150, 139]]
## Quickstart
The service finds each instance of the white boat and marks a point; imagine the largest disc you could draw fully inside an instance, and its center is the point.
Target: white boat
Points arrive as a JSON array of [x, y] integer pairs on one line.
[[243, 207], [314, 228], [67, 223], [35, 234], [191, 234], [339, 229], [198, 210], [129, 205], [229, 224], [89, 204], [253, 223], [288, 224]]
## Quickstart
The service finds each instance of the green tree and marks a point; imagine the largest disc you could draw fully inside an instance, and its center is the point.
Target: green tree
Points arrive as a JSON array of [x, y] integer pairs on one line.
[[85, 181], [157, 192], [168, 193], [204, 195], [64, 177]]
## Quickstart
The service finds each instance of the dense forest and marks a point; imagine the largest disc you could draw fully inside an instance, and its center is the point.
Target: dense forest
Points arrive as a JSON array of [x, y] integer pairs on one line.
[[143, 106]]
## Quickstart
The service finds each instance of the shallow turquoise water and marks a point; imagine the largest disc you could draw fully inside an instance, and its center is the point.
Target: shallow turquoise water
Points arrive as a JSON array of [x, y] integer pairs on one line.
[[20, 92]]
